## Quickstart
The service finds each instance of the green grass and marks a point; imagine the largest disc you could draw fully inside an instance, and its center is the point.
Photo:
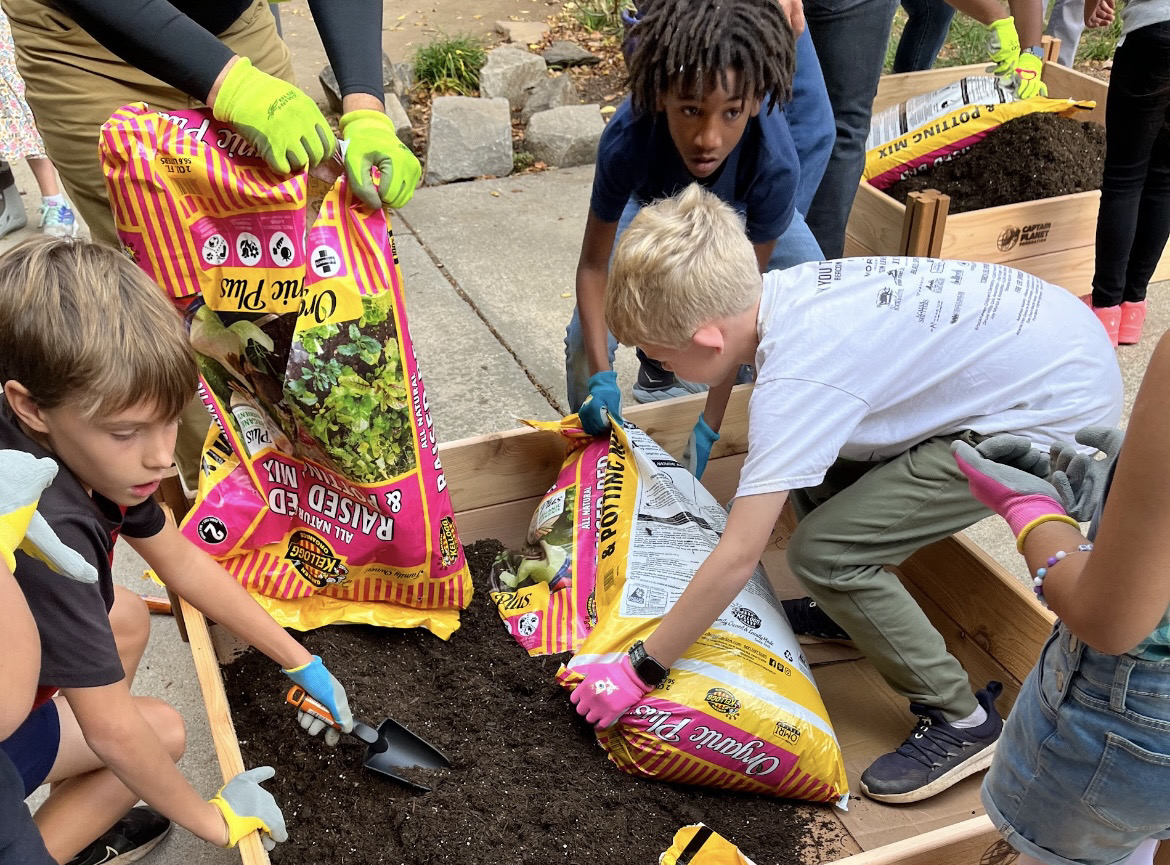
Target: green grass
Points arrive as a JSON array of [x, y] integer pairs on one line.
[[450, 64], [602, 16]]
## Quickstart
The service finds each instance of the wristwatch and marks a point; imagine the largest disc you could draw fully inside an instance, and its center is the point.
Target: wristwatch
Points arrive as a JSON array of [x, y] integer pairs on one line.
[[649, 670], [1035, 51]]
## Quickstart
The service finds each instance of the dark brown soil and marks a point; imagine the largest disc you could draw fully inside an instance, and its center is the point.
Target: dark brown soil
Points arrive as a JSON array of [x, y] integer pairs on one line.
[[529, 785], [1036, 156]]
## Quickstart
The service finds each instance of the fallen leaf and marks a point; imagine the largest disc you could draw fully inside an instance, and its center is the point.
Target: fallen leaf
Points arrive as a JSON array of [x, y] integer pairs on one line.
[[476, 17], [566, 294], [495, 193], [401, 17], [539, 165]]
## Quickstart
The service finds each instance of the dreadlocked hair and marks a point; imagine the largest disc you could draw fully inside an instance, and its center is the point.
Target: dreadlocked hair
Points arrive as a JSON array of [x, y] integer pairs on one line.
[[681, 45]]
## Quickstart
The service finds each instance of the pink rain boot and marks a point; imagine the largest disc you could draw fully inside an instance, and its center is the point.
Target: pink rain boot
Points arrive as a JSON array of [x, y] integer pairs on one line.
[[1110, 318], [1133, 316]]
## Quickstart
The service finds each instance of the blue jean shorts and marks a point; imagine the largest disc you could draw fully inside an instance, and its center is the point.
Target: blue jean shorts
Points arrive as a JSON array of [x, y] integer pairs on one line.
[[1082, 770]]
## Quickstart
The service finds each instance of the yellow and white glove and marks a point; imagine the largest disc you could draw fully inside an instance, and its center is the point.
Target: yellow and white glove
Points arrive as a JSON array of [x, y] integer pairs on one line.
[[23, 478], [1003, 48], [1026, 76], [246, 806]]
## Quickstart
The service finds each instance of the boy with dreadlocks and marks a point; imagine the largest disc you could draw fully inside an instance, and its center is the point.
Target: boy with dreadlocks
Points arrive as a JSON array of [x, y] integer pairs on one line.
[[707, 82]]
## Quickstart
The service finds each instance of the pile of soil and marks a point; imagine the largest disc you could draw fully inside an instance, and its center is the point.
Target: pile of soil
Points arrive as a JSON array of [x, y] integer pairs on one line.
[[530, 784], [1039, 155]]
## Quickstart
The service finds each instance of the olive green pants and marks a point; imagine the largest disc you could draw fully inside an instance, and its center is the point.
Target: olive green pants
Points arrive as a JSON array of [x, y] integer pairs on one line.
[[864, 516], [73, 85]]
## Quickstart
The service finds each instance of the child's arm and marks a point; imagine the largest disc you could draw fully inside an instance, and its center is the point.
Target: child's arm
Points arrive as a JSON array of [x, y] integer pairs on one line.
[[202, 581], [20, 662], [610, 689], [592, 272]]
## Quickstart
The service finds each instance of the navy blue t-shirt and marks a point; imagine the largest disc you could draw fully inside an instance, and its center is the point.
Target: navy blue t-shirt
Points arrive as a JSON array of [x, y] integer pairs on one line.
[[636, 157]]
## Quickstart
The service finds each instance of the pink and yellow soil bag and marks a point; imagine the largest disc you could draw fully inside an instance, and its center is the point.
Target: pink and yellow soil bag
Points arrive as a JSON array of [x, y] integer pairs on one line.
[[740, 709], [321, 489]]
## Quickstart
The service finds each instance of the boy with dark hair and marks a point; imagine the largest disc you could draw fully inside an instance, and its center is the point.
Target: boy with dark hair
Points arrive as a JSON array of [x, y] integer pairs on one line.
[[95, 371], [868, 369], [708, 81]]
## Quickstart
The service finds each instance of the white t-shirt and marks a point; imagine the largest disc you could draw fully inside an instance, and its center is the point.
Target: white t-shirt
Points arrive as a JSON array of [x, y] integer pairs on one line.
[[864, 358]]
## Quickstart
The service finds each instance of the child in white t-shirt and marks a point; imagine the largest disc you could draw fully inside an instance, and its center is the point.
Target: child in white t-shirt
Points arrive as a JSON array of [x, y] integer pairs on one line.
[[867, 370]]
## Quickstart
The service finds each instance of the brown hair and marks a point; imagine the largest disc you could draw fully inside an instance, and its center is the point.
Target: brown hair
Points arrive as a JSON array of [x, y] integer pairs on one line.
[[81, 324]]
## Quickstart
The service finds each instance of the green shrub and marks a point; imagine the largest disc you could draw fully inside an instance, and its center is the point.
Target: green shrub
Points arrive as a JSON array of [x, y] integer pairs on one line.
[[602, 16], [450, 64]]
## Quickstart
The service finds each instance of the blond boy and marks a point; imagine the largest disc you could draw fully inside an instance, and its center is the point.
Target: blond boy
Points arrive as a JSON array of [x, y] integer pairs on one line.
[[867, 371], [95, 370]]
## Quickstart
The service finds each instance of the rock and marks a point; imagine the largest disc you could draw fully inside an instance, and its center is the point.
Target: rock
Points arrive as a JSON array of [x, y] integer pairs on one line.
[[401, 121], [565, 136], [550, 93], [468, 138], [561, 54], [510, 72], [522, 32], [397, 78]]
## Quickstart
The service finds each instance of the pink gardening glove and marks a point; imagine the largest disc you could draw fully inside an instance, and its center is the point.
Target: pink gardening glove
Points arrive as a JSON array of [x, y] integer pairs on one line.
[[1016, 494], [608, 691]]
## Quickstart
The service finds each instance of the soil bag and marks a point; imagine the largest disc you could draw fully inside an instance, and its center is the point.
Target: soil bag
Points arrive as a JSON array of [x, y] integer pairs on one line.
[[544, 591], [932, 128], [699, 845], [321, 489], [740, 709]]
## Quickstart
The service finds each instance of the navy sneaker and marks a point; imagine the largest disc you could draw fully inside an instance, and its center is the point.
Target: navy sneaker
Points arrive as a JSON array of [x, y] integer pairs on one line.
[[936, 754], [655, 383], [131, 838], [808, 619]]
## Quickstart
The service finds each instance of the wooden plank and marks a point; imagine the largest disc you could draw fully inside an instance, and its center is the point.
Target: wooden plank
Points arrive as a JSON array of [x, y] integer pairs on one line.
[[219, 716], [1029, 228], [989, 606], [875, 222], [967, 843], [1069, 84], [918, 225]]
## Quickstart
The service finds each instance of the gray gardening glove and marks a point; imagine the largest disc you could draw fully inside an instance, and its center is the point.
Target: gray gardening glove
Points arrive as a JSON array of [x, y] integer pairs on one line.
[[23, 478], [1017, 452], [246, 806], [1080, 479]]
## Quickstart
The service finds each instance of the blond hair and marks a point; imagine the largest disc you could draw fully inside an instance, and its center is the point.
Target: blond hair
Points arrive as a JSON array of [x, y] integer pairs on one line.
[[682, 263], [81, 324]]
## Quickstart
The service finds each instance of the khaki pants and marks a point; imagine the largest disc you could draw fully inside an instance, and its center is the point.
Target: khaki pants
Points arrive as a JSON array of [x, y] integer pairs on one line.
[[867, 515], [73, 85]]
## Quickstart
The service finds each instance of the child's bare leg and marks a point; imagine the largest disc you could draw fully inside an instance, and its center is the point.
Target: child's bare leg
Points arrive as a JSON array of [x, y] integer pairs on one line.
[[130, 622], [45, 175], [86, 798]]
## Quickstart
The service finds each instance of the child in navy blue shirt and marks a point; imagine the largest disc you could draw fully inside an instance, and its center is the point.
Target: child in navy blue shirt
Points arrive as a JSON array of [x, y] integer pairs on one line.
[[707, 82]]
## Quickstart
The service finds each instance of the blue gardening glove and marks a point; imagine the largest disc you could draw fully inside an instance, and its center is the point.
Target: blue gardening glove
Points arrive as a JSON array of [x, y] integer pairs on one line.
[[698, 449], [23, 478], [1003, 48], [371, 141], [280, 120], [1081, 479], [604, 396], [609, 690], [326, 690], [1026, 77], [246, 806]]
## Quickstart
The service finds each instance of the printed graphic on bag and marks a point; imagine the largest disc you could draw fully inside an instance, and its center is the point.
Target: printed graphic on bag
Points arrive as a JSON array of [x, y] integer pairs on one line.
[[740, 709], [322, 491], [544, 591]]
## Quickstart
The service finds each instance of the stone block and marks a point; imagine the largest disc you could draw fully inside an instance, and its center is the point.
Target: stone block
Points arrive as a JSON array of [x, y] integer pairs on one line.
[[552, 92], [562, 54], [522, 32], [510, 72], [397, 78], [565, 136], [468, 138]]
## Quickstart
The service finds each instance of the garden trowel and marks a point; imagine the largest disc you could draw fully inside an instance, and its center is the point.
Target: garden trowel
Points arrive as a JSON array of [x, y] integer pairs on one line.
[[391, 747]]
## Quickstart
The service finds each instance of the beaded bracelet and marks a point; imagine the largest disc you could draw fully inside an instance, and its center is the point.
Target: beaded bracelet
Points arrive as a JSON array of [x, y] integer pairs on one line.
[[1041, 573]]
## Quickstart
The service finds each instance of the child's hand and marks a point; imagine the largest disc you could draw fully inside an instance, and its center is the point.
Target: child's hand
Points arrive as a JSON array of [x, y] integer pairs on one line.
[[1003, 47], [326, 690], [1080, 479], [608, 691], [246, 806], [603, 394], [23, 478]]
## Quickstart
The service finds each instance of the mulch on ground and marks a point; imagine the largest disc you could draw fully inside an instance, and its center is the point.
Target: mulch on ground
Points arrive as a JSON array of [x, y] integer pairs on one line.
[[530, 785], [1036, 156]]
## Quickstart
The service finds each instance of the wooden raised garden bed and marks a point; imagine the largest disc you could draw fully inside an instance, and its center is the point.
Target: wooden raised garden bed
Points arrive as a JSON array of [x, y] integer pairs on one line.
[[990, 621], [1052, 238]]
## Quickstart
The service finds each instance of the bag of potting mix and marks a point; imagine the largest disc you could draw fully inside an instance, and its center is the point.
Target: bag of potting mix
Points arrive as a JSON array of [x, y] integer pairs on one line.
[[699, 845], [926, 130], [544, 591], [321, 489], [740, 709]]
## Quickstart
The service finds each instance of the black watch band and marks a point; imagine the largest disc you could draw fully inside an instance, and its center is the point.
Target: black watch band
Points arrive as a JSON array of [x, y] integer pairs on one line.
[[649, 670]]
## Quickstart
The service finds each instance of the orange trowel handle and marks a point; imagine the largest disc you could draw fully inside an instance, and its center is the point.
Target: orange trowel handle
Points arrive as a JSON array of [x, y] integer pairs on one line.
[[297, 696]]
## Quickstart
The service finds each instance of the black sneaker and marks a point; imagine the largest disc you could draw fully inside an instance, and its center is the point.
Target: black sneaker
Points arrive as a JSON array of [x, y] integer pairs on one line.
[[935, 755], [131, 838], [809, 620], [655, 383]]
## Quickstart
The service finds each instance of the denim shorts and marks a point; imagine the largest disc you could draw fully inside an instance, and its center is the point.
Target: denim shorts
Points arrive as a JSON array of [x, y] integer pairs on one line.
[[33, 747], [1082, 770]]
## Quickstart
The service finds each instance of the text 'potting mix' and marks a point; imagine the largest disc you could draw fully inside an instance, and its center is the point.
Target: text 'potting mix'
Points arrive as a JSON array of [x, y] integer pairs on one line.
[[322, 491]]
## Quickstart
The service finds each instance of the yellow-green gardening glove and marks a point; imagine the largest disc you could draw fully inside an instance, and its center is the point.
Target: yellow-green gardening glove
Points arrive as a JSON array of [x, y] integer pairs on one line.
[[246, 806], [371, 141], [1003, 48], [1026, 77], [283, 123]]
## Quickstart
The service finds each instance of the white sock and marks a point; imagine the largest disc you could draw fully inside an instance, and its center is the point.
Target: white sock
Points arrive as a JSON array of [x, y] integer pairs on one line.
[[53, 200], [973, 720]]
